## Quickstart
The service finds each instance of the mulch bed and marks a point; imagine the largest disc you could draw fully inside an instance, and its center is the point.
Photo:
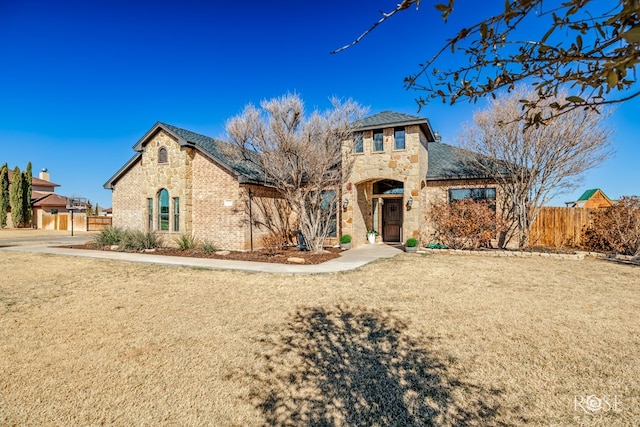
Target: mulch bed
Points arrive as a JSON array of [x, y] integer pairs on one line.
[[281, 257]]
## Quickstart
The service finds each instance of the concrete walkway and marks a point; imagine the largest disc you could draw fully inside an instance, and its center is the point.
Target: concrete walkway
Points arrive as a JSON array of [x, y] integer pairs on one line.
[[349, 260]]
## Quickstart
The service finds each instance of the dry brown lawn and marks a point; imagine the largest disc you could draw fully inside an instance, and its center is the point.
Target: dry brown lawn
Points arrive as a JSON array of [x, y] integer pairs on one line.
[[414, 340]]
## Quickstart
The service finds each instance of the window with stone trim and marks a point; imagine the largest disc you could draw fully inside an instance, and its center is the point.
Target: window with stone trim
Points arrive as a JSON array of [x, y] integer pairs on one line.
[[378, 140], [149, 214], [163, 210], [163, 157], [398, 140], [176, 214], [358, 145]]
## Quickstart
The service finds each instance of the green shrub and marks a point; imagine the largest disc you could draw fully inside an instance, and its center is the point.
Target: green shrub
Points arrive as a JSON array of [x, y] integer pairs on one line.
[[140, 240], [345, 238], [208, 247], [108, 237], [186, 241], [411, 242]]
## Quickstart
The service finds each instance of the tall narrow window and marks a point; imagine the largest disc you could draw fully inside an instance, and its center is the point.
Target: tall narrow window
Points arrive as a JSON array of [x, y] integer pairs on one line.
[[399, 139], [163, 210], [149, 214], [329, 205], [358, 146], [162, 155], [176, 214], [378, 140]]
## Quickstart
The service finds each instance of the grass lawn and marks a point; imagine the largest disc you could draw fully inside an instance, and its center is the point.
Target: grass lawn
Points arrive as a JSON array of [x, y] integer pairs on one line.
[[414, 340]]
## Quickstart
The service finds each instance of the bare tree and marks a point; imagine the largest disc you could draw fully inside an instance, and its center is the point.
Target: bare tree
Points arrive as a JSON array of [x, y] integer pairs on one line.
[[534, 163], [299, 156], [589, 47]]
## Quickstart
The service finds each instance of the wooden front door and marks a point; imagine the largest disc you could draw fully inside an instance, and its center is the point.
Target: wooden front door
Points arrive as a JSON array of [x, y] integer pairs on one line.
[[391, 220]]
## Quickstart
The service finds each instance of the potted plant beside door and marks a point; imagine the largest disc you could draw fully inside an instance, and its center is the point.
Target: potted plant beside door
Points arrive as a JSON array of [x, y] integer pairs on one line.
[[371, 236], [411, 245], [345, 241]]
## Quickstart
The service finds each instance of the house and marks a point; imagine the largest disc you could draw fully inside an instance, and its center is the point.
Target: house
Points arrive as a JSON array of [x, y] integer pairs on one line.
[[181, 182], [44, 201], [594, 198]]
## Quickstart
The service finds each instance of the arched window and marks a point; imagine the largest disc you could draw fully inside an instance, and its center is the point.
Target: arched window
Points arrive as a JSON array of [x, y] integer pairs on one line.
[[163, 210], [162, 155]]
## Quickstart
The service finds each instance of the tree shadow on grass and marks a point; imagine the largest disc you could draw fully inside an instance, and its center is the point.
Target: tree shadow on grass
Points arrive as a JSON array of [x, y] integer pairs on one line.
[[360, 367]]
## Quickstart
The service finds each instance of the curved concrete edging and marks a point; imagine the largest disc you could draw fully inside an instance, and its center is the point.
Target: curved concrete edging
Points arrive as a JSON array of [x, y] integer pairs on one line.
[[349, 260]]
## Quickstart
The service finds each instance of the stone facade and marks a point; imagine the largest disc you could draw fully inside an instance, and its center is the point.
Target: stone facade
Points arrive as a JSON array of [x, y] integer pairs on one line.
[[407, 172], [408, 165], [212, 204]]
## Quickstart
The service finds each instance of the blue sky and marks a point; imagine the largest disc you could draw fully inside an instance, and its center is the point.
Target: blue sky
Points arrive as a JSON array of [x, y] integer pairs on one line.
[[82, 81]]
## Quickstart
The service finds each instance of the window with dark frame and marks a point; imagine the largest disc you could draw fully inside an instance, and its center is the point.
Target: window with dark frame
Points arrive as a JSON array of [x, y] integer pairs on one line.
[[162, 155], [176, 214], [476, 194], [398, 139], [378, 140], [358, 145], [163, 210], [150, 214]]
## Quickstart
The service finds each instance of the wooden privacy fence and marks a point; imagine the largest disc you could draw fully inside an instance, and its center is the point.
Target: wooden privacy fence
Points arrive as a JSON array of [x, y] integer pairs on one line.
[[560, 226], [97, 223], [61, 221]]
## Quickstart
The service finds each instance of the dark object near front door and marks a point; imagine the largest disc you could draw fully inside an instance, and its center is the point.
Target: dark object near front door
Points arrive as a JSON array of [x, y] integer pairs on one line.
[[391, 220]]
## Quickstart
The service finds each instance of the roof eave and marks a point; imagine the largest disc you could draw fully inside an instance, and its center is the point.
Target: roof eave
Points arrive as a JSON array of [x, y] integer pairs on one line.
[[110, 183]]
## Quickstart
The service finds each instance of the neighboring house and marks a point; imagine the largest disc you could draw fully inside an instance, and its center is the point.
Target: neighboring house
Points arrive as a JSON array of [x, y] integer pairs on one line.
[[594, 198], [44, 201], [182, 182]]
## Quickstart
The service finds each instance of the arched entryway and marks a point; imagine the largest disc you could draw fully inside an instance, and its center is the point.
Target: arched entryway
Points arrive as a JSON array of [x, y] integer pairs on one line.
[[387, 211]]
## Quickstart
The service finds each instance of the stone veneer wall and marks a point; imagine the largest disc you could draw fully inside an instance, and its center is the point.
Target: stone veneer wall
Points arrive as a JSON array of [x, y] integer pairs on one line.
[[408, 166], [146, 178], [213, 205]]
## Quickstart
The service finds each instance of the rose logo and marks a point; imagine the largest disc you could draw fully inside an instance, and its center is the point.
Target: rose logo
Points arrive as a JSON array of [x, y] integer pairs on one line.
[[593, 403]]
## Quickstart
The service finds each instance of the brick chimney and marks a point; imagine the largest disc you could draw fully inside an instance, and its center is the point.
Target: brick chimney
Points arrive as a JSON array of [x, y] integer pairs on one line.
[[44, 175]]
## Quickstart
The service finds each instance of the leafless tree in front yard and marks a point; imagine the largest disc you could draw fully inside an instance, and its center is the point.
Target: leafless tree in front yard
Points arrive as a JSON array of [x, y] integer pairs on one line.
[[534, 163], [299, 155]]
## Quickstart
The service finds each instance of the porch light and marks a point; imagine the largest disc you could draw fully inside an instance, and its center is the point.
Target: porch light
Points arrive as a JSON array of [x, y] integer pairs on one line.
[[345, 203], [410, 202]]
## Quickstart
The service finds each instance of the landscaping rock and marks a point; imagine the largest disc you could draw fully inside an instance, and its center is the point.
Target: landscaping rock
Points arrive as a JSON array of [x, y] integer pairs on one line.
[[296, 260], [222, 253]]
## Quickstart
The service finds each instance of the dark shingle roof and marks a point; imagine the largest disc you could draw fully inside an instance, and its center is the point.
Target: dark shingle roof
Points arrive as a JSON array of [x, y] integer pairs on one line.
[[387, 118], [218, 151], [449, 162]]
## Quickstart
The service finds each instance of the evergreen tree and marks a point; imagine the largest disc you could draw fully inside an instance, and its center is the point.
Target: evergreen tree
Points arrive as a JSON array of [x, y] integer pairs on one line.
[[26, 189], [4, 195], [17, 197], [97, 211]]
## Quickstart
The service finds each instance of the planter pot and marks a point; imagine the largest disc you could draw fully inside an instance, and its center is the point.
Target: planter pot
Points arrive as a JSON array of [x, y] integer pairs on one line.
[[410, 248], [345, 245], [372, 238]]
